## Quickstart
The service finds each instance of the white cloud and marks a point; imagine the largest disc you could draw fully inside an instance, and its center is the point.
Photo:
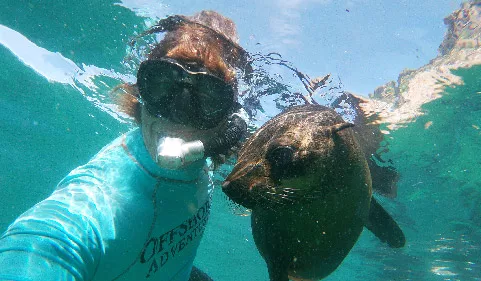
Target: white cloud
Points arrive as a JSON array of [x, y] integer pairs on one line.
[[283, 27], [353, 3], [295, 4], [285, 23]]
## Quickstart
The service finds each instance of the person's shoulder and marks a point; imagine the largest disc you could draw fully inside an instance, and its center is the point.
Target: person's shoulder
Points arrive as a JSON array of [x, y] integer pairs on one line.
[[119, 142], [111, 156]]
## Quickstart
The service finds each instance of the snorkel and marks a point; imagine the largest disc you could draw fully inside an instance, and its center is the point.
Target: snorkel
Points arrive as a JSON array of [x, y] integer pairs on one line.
[[174, 153], [174, 148]]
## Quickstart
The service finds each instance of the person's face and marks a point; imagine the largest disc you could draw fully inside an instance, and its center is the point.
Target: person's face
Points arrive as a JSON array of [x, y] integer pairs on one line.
[[181, 100]]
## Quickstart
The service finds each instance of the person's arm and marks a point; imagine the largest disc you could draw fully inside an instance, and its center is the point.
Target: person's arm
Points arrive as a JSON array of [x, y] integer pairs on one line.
[[59, 238]]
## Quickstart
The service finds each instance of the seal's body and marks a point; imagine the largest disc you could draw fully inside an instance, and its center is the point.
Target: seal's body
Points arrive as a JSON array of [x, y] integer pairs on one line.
[[308, 184]]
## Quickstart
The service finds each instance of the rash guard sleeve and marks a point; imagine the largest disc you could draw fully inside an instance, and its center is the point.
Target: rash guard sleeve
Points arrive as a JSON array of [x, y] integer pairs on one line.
[[104, 217], [60, 235]]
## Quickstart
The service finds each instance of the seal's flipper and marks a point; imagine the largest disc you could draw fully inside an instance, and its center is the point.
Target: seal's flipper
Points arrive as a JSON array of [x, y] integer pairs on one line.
[[384, 178], [384, 227]]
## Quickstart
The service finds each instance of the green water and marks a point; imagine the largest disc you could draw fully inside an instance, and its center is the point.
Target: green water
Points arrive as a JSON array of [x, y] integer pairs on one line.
[[441, 163], [49, 128], [440, 188]]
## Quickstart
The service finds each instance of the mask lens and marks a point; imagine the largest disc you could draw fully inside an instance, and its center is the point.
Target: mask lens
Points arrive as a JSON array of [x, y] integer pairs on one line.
[[215, 99], [156, 87], [198, 99]]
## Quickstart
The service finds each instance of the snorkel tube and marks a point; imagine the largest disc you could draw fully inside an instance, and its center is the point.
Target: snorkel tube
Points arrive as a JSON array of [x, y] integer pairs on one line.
[[175, 153], [234, 132]]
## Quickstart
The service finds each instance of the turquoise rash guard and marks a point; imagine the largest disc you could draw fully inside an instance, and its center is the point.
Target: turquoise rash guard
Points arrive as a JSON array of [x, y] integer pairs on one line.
[[119, 217]]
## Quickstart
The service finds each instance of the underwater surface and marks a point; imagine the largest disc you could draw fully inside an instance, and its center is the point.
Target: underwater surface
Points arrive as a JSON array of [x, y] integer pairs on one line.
[[59, 62]]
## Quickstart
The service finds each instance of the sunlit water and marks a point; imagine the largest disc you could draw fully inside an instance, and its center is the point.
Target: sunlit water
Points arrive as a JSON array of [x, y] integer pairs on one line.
[[58, 64]]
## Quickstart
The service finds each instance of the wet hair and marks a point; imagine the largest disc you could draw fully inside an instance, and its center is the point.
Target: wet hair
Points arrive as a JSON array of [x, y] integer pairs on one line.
[[198, 40]]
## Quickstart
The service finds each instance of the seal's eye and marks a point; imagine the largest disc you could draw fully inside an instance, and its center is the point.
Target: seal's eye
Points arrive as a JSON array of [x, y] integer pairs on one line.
[[280, 156]]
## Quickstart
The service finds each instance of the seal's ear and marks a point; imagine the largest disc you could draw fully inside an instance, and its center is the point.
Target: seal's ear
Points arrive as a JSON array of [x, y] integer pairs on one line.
[[328, 131], [384, 227]]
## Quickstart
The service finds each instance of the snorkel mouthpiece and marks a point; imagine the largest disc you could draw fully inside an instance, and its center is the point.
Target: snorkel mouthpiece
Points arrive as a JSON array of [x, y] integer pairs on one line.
[[174, 153]]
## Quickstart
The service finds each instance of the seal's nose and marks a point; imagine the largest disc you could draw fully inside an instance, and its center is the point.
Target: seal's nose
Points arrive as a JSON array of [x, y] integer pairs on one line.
[[230, 190], [238, 193], [225, 184]]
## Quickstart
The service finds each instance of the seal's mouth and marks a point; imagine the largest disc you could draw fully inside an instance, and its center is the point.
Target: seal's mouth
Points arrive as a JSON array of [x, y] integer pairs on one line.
[[238, 194], [263, 193], [245, 182], [280, 178]]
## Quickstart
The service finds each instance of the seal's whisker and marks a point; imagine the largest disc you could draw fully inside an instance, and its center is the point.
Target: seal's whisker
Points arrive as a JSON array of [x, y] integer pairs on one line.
[[288, 192], [282, 198], [289, 199], [270, 199], [295, 194], [277, 199], [290, 188], [285, 196], [290, 195]]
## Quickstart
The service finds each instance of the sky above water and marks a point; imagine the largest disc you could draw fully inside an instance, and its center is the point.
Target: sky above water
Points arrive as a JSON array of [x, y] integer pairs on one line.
[[365, 43]]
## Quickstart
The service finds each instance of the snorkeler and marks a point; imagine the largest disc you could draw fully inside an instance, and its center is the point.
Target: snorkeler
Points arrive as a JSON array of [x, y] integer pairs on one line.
[[138, 209]]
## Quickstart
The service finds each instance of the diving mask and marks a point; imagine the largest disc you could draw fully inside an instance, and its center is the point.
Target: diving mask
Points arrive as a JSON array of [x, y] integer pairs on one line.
[[186, 93]]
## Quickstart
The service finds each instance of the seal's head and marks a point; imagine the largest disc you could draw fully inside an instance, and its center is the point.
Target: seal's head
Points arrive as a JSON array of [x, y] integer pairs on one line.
[[300, 155]]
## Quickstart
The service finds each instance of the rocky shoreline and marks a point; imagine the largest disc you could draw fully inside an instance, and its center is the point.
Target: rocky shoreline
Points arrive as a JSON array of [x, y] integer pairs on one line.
[[397, 103]]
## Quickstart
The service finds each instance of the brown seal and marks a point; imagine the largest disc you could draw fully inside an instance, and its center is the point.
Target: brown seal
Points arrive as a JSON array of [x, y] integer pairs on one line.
[[308, 184]]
